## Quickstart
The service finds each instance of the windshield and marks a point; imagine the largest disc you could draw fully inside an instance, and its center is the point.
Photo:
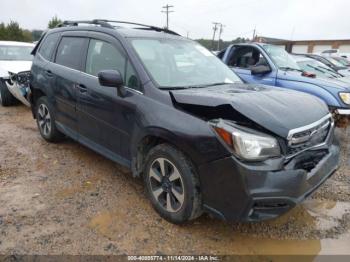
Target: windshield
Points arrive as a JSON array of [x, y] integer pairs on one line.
[[181, 63], [334, 62], [16, 53], [281, 58], [342, 60], [318, 68]]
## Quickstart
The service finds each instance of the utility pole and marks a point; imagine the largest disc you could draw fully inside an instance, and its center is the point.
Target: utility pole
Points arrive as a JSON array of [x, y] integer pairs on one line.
[[215, 28], [254, 32], [167, 11], [220, 32]]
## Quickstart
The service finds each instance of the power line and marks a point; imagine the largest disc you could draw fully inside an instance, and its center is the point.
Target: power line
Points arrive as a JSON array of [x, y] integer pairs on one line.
[[167, 11]]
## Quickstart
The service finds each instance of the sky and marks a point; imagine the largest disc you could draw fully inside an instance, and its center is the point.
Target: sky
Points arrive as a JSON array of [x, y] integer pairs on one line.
[[286, 19]]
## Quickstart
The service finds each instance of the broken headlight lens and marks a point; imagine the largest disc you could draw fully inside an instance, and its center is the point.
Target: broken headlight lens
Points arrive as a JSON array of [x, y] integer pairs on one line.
[[345, 97], [248, 144]]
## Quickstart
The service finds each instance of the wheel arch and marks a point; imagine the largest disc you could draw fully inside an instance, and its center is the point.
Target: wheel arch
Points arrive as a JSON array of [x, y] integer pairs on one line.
[[149, 139], [35, 95]]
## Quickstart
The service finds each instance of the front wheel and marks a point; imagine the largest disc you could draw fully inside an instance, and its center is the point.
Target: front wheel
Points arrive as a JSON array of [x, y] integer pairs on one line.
[[172, 184], [6, 98]]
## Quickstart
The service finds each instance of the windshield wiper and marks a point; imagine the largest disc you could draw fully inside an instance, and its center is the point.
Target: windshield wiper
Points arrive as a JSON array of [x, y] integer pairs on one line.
[[287, 68], [316, 68], [331, 71], [194, 86]]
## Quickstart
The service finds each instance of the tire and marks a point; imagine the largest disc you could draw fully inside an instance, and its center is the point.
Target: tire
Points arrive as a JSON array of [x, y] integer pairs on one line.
[[175, 192], [6, 98], [45, 120]]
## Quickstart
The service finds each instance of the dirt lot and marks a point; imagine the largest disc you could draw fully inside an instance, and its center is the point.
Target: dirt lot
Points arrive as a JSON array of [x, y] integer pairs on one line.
[[65, 199]]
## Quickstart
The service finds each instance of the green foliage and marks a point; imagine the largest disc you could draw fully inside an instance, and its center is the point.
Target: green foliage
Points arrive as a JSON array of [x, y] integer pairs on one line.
[[13, 32], [55, 21], [223, 44], [36, 34]]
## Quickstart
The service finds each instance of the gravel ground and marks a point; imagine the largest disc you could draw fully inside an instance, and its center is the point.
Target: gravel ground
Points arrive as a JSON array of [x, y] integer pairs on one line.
[[65, 199]]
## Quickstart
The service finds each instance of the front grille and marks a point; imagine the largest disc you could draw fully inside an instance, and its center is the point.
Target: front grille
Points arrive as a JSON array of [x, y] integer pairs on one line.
[[303, 138]]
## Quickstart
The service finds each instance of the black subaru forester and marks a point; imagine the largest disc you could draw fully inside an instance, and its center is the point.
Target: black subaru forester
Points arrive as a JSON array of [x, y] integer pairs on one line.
[[168, 109]]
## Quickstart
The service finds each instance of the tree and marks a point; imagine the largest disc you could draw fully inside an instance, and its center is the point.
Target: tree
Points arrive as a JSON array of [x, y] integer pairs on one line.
[[55, 21], [14, 32], [3, 31]]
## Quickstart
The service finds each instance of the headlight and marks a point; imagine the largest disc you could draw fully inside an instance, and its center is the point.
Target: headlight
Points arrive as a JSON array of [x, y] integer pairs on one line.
[[247, 145], [345, 97]]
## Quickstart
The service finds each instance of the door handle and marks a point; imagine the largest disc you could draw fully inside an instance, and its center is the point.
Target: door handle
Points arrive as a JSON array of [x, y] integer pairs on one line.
[[49, 73], [81, 88]]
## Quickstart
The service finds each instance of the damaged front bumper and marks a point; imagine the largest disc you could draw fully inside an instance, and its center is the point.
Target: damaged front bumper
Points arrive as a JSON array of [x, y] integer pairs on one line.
[[18, 86], [342, 117], [237, 191]]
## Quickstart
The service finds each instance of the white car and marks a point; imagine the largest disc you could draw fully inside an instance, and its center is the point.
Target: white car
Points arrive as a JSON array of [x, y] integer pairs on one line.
[[335, 52], [15, 65]]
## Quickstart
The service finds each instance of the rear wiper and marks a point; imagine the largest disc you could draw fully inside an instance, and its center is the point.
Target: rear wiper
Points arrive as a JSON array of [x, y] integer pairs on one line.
[[287, 68]]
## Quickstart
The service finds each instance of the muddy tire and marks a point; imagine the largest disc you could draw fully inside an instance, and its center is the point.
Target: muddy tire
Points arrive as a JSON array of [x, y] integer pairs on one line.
[[6, 98], [172, 184], [45, 120]]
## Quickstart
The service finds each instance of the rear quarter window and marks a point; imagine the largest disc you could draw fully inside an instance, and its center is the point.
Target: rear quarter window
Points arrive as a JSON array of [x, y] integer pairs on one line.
[[70, 51], [47, 47]]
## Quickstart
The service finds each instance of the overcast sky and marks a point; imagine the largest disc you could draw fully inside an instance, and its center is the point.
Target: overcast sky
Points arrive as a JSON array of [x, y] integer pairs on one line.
[[288, 19]]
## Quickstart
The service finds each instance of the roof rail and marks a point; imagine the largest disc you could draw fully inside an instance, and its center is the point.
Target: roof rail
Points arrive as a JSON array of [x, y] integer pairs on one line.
[[106, 23], [90, 22]]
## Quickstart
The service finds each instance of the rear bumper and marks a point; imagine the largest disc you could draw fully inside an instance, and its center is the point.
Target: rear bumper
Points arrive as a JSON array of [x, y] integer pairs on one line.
[[236, 191]]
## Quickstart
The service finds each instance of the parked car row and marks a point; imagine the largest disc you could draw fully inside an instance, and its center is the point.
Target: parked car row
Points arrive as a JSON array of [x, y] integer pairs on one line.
[[171, 111], [272, 65]]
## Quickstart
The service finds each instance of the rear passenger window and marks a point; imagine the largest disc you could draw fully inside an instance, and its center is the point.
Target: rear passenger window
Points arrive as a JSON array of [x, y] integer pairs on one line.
[[69, 52], [48, 46], [104, 56]]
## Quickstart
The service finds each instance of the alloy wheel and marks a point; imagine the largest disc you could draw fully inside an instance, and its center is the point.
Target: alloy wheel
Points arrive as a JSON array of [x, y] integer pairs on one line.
[[166, 185], [44, 119]]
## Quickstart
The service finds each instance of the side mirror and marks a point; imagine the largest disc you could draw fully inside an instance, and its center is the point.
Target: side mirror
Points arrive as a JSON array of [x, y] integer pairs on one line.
[[112, 78], [260, 70]]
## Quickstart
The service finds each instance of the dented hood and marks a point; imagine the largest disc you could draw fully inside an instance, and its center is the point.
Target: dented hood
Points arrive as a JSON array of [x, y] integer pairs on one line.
[[275, 109]]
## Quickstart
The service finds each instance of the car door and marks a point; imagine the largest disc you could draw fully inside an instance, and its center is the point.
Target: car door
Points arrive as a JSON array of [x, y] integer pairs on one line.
[[42, 78], [66, 71], [241, 60], [106, 119]]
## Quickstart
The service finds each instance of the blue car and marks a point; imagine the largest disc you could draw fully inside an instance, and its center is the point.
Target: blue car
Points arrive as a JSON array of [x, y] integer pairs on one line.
[[272, 65]]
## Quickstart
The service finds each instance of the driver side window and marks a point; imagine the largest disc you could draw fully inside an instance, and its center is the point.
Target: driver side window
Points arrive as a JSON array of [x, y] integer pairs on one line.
[[246, 58], [104, 56]]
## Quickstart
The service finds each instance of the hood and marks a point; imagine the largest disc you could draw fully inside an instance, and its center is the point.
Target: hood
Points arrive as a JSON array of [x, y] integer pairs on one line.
[[15, 66], [344, 72], [345, 79], [319, 81], [277, 110]]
